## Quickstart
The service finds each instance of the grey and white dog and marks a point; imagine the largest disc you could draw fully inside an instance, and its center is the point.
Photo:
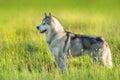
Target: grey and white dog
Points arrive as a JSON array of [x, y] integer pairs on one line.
[[62, 43]]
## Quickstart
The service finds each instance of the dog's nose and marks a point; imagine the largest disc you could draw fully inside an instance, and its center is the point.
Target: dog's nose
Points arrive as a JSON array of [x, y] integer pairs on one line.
[[37, 27]]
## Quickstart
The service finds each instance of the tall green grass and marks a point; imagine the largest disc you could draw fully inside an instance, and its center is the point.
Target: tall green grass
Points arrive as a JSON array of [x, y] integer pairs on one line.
[[24, 54]]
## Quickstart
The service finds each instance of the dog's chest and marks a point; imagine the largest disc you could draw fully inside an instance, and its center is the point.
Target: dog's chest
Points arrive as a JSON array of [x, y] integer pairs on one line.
[[54, 48]]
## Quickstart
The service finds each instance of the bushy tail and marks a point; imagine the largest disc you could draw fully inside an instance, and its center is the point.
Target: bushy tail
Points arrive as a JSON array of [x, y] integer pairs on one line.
[[106, 55], [109, 58]]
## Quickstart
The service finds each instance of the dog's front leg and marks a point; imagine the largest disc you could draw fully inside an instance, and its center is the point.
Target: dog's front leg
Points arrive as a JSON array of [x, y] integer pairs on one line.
[[59, 58], [61, 62]]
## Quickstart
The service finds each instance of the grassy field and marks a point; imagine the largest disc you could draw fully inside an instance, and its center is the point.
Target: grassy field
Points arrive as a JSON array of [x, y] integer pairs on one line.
[[23, 51]]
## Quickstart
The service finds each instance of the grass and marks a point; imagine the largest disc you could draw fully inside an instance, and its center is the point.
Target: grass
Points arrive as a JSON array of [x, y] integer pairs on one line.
[[23, 51]]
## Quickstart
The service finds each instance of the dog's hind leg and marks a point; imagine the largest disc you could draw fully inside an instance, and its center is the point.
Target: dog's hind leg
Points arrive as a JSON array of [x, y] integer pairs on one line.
[[94, 60], [94, 57]]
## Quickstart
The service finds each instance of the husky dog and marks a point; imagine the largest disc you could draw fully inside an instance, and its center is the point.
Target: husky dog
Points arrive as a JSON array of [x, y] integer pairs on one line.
[[62, 43]]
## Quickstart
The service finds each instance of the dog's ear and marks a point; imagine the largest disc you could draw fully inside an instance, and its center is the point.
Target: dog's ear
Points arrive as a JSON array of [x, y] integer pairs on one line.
[[45, 14], [50, 15]]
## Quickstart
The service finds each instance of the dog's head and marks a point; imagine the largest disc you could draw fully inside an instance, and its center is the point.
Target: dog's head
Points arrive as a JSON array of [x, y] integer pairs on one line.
[[46, 23], [50, 24]]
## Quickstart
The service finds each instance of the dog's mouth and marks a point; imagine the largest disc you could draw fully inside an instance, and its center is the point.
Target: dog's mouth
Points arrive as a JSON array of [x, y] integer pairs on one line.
[[43, 31]]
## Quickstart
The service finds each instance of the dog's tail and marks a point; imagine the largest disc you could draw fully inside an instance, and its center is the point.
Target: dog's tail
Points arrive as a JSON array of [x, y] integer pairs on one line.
[[107, 57]]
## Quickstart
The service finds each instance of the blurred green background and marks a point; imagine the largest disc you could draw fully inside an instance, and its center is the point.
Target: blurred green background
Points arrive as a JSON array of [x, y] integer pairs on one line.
[[76, 4], [89, 5]]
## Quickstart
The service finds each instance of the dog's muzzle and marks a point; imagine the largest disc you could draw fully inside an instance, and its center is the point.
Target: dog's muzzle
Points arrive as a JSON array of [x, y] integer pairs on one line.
[[41, 31]]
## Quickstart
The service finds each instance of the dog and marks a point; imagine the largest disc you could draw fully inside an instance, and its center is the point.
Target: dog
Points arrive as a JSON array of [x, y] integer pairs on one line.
[[62, 43]]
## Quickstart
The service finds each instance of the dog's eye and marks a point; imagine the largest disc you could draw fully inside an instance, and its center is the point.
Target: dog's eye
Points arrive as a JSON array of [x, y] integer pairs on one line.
[[43, 23]]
